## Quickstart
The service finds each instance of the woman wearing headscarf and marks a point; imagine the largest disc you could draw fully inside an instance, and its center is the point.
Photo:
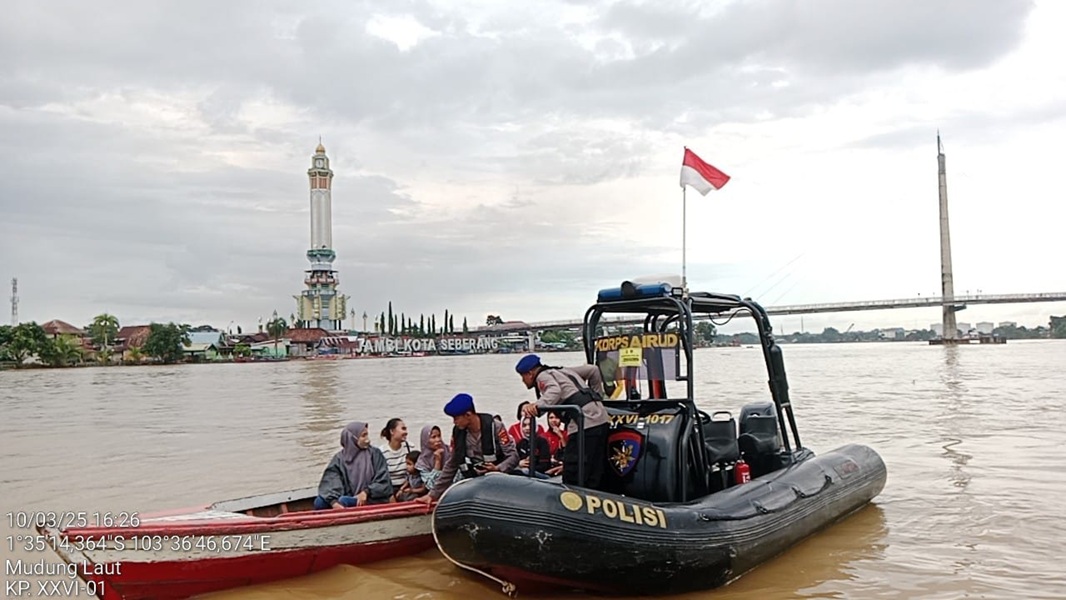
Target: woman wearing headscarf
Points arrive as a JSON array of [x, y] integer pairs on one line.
[[356, 475], [434, 455], [541, 447]]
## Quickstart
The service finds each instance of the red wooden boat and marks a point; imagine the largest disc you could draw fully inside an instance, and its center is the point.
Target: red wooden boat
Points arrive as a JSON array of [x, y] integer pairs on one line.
[[181, 553]]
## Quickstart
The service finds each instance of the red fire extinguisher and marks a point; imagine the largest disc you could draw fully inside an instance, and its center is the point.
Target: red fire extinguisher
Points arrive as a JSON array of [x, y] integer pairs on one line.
[[741, 472]]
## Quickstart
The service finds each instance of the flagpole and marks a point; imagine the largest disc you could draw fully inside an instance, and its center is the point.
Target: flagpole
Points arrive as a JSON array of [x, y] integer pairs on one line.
[[684, 232]]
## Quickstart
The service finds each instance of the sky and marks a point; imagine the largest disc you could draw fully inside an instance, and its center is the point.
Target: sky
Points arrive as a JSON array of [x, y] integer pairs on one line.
[[513, 158]]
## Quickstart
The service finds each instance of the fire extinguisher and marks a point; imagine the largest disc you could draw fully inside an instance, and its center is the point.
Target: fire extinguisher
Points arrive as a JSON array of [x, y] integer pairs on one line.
[[741, 472]]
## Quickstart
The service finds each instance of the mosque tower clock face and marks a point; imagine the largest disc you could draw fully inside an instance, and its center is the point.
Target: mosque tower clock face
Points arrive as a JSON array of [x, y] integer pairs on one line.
[[321, 178]]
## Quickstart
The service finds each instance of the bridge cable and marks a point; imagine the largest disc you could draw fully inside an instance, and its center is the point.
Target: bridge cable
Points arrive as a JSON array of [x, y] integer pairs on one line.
[[747, 294]]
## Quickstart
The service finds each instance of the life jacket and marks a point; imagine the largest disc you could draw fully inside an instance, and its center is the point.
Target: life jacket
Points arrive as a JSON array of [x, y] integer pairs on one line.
[[491, 451], [542, 459]]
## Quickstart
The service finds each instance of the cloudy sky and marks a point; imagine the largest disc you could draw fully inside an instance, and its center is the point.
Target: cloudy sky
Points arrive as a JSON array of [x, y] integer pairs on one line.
[[512, 158]]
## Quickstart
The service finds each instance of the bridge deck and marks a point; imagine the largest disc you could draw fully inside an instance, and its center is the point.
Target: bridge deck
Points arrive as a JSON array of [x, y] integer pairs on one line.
[[831, 307]]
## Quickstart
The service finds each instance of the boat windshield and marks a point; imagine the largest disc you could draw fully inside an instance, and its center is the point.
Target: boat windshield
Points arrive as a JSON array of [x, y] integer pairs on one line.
[[637, 366]]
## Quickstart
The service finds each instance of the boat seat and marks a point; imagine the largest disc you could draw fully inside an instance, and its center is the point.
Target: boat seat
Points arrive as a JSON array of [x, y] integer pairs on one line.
[[761, 431], [760, 440], [720, 440], [720, 437]]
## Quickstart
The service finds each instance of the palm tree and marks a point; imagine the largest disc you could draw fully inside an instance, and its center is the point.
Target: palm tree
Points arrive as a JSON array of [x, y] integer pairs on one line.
[[62, 351], [276, 327], [103, 329], [134, 355], [103, 356], [68, 350]]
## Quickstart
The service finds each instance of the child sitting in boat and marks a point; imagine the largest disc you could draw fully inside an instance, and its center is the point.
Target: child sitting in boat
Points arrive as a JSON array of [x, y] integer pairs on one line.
[[413, 487], [356, 475]]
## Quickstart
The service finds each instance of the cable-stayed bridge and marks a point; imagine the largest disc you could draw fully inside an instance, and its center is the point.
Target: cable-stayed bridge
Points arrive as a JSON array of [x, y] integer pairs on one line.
[[958, 302]]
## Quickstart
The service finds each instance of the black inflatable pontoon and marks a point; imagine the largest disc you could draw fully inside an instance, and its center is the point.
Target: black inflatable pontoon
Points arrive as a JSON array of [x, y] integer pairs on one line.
[[672, 516]]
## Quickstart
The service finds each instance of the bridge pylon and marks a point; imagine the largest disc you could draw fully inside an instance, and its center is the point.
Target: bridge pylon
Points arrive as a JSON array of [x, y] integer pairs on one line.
[[950, 327]]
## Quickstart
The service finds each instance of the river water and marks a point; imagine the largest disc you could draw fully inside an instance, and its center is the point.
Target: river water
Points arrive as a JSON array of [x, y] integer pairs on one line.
[[972, 437]]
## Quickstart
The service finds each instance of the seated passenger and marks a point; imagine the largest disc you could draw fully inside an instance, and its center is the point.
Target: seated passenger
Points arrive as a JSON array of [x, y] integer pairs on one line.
[[519, 429], [356, 475], [395, 450], [557, 437], [413, 487], [542, 456], [433, 456]]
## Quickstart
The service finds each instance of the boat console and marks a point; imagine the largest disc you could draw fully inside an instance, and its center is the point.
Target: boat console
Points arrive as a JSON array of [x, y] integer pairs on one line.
[[642, 453]]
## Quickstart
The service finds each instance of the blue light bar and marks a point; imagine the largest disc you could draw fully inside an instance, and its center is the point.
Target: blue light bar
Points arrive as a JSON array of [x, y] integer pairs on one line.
[[646, 290]]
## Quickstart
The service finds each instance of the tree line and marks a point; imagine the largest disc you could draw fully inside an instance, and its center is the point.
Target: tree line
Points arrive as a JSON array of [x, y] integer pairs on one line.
[[164, 343], [390, 323]]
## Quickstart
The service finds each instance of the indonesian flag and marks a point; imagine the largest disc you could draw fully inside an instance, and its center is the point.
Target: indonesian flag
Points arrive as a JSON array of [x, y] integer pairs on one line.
[[700, 175]]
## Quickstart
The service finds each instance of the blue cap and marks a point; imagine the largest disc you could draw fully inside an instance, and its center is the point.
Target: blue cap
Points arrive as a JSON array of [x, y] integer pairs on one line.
[[527, 364], [458, 405]]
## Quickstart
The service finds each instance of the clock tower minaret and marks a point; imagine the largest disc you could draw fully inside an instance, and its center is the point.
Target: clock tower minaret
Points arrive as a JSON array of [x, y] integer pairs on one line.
[[320, 305]]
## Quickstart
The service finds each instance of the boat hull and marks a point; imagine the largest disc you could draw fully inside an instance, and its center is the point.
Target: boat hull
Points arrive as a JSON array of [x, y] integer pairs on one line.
[[523, 530], [175, 555]]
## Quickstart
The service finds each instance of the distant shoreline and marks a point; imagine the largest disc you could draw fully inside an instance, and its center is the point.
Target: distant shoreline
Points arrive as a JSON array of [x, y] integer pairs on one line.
[[9, 366]]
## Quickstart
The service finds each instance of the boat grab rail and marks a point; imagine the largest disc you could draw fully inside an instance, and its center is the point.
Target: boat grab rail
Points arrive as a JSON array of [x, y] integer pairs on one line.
[[532, 437]]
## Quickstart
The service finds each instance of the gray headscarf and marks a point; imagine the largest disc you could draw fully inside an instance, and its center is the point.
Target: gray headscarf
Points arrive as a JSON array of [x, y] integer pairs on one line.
[[425, 456], [356, 460]]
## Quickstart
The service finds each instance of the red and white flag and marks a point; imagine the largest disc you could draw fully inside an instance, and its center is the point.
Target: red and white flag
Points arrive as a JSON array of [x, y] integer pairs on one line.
[[700, 175]]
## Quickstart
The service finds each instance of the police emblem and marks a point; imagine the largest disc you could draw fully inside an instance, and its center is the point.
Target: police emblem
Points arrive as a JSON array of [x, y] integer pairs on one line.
[[624, 446]]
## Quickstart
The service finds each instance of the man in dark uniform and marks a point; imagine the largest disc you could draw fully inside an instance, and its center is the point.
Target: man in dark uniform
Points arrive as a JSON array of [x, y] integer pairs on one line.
[[581, 385], [479, 445]]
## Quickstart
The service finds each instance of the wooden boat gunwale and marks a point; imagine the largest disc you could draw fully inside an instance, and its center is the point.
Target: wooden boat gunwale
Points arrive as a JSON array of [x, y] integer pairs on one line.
[[177, 553]]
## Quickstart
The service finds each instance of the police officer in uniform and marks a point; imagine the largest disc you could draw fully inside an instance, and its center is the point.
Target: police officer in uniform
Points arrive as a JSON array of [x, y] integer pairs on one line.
[[479, 445], [581, 385]]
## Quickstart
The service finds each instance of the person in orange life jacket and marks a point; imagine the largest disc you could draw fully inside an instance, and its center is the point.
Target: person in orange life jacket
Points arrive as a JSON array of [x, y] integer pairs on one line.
[[581, 385], [479, 445]]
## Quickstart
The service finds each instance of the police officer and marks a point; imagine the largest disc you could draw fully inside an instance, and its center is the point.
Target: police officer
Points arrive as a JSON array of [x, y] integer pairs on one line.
[[581, 385], [479, 445]]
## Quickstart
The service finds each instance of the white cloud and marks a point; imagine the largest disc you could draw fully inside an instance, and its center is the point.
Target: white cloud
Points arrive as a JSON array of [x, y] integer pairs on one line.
[[404, 31]]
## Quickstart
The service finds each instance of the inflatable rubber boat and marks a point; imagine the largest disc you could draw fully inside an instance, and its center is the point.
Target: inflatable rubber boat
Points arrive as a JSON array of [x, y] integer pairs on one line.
[[692, 499]]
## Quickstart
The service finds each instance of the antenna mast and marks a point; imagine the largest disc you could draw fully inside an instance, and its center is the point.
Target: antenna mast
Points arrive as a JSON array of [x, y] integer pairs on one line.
[[14, 301]]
